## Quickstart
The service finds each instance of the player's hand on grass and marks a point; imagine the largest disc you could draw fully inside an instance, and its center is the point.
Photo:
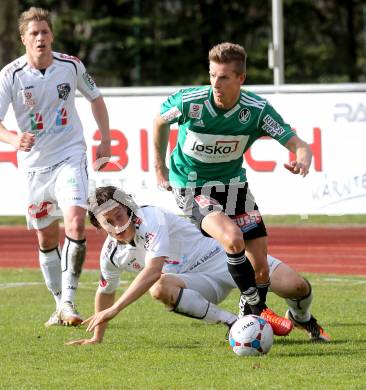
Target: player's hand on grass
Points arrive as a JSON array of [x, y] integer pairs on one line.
[[99, 318], [84, 341]]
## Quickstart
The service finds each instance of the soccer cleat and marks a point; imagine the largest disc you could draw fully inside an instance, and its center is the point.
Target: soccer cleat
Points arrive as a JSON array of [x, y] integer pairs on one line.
[[54, 320], [244, 308], [281, 326], [311, 327], [229, 325], [68, 314]]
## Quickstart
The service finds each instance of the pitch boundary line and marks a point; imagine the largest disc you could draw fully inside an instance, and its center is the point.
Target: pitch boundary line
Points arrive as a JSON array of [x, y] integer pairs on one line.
[[4, 286]]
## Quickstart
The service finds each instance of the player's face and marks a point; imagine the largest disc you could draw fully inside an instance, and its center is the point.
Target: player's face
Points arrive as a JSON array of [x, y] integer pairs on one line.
[[38, 39], [225, 83], [118, 224]]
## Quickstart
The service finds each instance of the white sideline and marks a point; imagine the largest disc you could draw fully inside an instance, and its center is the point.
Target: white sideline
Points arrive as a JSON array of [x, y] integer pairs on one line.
[[27, 284], [125, 282]]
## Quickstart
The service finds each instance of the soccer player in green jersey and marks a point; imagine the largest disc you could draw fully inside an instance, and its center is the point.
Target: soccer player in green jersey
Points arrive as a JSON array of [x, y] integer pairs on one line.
[[217, 124]]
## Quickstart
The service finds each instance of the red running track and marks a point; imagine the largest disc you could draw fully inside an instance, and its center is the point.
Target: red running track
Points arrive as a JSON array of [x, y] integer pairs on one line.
[[333, 250]]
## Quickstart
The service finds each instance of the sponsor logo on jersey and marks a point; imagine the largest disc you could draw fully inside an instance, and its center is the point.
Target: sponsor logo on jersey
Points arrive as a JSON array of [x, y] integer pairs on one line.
[[28, 99], [36, 121], [195, 111], [272, 127], [171, 114], [89, 81], [53, 130], [67, 57], [244, 115], [40, 210], [63, 90], [205, 258], [61, 117], [135, 265], [214, 148], [247, 221], [220, 147]]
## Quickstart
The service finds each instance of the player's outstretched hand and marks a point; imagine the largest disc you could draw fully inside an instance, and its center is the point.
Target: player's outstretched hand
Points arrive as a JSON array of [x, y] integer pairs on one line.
[[98, 318], [162, 174], [103, 155], [297, 168], [83, 342]]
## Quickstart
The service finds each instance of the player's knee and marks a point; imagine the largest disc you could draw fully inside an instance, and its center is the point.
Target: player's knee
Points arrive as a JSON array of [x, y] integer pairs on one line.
[[261, 271], [47, 241], [75, 228], [303, 287], [157, 291], [233, 242], [261, 275]]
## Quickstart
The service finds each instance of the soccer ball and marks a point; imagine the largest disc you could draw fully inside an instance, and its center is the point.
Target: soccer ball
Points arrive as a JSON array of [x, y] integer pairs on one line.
[[251, 335]]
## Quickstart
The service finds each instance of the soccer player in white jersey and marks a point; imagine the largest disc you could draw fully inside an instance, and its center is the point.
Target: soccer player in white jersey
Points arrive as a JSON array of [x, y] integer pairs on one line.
[[180, 267], [217, 124], [41, 87]]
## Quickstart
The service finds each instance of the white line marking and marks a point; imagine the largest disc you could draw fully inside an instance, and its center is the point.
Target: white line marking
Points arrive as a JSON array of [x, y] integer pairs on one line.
[[27, 284]]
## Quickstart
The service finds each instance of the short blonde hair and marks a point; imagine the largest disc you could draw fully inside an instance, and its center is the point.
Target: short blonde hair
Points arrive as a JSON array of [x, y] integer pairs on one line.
[[226, 52], [34, 14]]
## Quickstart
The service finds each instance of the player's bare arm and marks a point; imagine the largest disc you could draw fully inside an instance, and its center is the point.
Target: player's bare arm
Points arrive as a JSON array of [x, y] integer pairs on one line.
[[102, 301], [161, 130], [22, 141], [140, 285], [303, 156], [100, 114]]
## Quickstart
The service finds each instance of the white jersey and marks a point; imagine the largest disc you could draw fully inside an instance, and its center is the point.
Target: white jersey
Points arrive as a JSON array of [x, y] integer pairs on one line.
[[161, 233], [197, 260], [44, 104]]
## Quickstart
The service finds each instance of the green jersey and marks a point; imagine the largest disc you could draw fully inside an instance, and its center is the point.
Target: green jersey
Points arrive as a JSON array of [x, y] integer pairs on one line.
[[212, 141]]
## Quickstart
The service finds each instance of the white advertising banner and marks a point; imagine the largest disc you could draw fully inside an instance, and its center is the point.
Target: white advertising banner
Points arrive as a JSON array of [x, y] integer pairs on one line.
[[332, 123]]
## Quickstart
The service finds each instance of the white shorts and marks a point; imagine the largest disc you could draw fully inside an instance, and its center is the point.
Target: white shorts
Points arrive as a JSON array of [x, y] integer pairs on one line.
[[216, 283], [52, 189], [211, 279]]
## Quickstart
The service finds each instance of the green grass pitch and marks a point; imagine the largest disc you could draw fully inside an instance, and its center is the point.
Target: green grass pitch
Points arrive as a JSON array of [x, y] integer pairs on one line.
[[146, 347]]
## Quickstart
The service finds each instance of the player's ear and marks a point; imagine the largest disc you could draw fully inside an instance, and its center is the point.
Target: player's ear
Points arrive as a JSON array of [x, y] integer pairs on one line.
[[243, 76]]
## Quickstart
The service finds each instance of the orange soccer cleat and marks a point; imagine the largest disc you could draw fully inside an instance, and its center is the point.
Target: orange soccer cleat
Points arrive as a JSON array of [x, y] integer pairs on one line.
[[281, 326]]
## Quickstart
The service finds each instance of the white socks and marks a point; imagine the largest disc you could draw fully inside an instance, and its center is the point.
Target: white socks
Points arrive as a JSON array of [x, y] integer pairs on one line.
[[299, 308], [192, 304], [50, 262], [72, 259]]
